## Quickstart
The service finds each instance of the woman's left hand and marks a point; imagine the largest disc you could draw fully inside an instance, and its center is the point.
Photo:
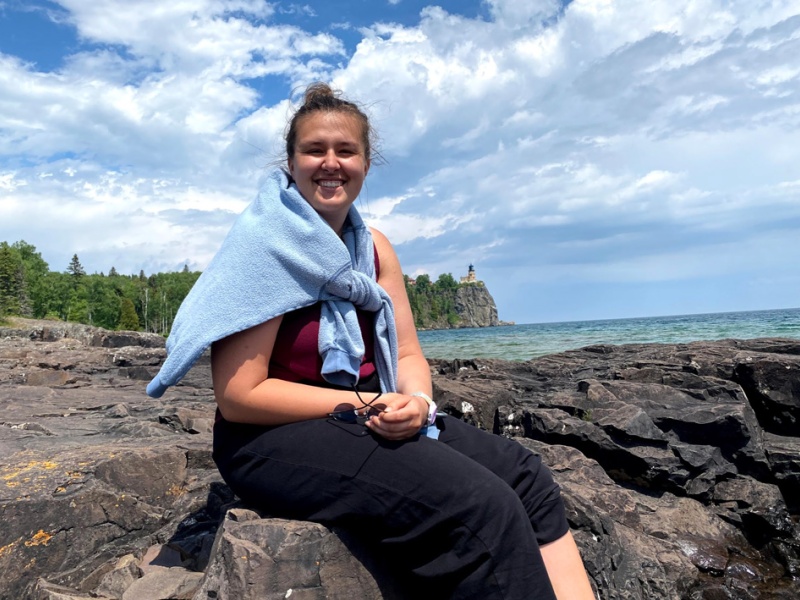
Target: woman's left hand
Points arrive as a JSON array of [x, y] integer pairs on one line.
[[402, 419]]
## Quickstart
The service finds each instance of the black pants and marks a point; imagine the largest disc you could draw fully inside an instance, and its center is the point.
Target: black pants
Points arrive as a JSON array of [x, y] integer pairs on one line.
[[463, 515]]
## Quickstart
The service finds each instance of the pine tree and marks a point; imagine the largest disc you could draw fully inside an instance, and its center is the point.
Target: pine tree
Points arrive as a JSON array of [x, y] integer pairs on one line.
[[113, 272], [128, 320], [75, 268]]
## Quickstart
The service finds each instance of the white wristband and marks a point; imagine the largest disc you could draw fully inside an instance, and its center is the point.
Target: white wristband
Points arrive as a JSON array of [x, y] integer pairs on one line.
[[431, 406]]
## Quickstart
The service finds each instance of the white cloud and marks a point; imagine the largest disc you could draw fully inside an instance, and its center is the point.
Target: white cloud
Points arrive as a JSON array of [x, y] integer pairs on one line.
[[616, 140]]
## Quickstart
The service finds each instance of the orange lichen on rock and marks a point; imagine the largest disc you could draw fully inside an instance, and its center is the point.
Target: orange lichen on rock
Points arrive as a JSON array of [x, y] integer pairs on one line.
[[41, 538], [176, 490], [33, 465], [14, 475]]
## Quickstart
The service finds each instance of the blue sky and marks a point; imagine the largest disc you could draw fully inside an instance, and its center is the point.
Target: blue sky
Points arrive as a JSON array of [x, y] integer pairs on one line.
[[594, 159]]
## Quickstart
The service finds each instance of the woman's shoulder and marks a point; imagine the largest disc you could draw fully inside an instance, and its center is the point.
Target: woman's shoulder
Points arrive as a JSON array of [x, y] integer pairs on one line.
[[387, 258], [382, 243]]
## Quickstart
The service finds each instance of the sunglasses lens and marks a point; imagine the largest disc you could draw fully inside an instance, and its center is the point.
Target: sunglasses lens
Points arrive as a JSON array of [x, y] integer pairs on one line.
[[376, 410], [345, 413]]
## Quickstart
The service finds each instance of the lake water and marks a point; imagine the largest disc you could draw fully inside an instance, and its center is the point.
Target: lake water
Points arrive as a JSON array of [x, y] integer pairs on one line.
[[523, 342]]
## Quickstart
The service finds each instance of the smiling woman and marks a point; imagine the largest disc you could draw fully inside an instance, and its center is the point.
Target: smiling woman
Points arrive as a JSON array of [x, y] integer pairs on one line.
[[460, 512]]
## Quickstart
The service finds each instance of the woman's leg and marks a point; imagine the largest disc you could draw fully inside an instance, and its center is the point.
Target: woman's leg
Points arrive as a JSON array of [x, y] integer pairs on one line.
[[531, 480], [565, 569], [519, 468], [449, 521]]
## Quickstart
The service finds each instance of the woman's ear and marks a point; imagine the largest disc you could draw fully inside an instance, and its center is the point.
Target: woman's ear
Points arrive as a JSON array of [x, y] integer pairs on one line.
[[367, 163], [290, 164]]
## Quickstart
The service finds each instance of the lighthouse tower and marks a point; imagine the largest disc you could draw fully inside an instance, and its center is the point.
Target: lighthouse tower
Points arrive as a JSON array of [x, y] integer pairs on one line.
[[470, 278]]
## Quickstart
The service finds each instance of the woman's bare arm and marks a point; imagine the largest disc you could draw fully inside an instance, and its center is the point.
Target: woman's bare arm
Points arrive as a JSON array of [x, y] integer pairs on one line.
[[408, 413], [246, 394], [414, 374]]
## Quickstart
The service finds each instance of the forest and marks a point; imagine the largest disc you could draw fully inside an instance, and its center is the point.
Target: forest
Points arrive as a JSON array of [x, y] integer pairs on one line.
[[28, 288]]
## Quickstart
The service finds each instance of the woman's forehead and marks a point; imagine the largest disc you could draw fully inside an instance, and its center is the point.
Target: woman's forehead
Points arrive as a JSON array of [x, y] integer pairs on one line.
[[330, 124]]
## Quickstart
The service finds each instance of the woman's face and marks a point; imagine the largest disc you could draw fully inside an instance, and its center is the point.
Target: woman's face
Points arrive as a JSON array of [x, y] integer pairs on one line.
[[328, 164]]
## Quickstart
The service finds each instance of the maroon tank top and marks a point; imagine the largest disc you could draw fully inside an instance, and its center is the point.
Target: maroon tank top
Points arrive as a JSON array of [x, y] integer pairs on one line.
[[295, 356]]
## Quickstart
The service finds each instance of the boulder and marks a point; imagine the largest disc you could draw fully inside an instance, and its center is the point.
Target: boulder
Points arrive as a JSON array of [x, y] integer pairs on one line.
[[257, 558]]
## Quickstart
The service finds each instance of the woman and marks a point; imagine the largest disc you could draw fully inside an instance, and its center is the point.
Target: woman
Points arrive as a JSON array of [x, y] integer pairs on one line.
[[467, 515]]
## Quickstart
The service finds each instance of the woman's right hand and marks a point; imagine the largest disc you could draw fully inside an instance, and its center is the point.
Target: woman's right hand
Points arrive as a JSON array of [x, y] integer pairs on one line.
[[403, 418]]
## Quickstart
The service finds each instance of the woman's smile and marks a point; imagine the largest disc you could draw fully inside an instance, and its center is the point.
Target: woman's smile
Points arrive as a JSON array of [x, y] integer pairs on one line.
[[330, 183]]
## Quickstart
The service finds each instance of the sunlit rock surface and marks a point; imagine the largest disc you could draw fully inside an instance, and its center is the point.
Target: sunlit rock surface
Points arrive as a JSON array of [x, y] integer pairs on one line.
[[679, 465]]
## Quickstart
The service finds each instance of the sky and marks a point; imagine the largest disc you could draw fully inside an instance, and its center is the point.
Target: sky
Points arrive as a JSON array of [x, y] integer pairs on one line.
[[593, 159]]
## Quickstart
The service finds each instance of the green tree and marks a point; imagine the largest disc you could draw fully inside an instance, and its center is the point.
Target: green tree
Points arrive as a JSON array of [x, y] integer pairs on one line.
[[75, 268], [433, 304], [446, 281], [78, 308], [52, 300], [423, 283], [34, 270], [103, 301], [128, 321], [12, 283]]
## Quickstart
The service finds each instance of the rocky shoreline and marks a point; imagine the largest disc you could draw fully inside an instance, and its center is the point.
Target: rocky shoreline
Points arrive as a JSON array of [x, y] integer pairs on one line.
[[679, 464]]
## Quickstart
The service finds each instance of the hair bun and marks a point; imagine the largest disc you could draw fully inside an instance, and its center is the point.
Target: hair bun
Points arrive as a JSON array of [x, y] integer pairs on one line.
[[319, 94]]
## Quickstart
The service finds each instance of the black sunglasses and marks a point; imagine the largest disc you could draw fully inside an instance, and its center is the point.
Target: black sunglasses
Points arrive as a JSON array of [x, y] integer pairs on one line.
[[349, 414]]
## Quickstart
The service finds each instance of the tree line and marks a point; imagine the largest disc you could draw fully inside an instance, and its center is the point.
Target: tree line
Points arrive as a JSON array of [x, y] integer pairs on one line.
[[28, 288]]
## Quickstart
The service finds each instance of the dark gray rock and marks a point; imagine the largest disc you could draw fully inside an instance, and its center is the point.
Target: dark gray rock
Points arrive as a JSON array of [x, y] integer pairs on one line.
[[691, 423], [679, 465], [114, 583], [175, 583], [266, 559], [91, 471], [783, 456], [773, 388]]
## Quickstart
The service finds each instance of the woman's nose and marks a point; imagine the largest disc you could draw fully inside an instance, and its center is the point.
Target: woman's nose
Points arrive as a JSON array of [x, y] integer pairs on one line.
[[330, 161]]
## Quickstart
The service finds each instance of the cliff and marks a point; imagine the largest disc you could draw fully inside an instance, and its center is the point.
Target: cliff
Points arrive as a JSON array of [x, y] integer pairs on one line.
[[475, 307], [679, 465], [448, 307]]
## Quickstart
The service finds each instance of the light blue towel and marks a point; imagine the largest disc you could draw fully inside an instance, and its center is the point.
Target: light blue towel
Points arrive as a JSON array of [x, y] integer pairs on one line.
[[280, 255]]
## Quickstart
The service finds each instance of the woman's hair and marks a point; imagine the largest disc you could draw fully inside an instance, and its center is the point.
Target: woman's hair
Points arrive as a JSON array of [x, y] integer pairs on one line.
[[321, 97]]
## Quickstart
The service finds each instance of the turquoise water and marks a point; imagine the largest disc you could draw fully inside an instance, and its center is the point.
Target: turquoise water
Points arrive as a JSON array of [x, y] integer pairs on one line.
[[523, 342]]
